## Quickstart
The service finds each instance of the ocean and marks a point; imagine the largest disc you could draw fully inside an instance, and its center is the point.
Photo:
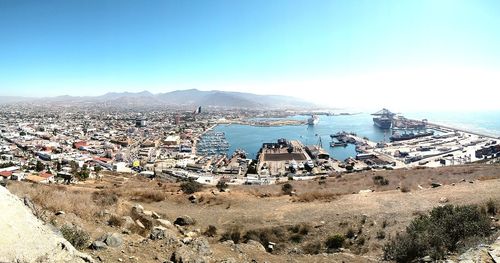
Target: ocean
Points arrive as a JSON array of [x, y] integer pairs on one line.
[[250, 138]]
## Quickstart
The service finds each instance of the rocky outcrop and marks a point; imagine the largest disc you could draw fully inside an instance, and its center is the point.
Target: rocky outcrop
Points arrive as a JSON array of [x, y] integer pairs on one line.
[[24, 238]]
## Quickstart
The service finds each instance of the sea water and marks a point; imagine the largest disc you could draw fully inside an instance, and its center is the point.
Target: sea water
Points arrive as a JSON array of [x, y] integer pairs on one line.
[[250, 138]]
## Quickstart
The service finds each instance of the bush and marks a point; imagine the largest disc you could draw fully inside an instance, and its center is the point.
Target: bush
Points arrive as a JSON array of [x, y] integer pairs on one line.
[[103, 198], [211, 231], [312, 248], [491, 207], [296, 238], [191, 187], [222, 186], [360, 241], [405, 189], [334, 242], [76, 236], [287, 189], [301, 228], [380, 180], [115, 221], [439, 232], [233, 234], [380, 234], [350, 233], [276, 234]]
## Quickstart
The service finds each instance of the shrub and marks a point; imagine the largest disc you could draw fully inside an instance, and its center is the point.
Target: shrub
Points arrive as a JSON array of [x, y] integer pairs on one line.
[[301, 228], [334, 242], [312, 248], [265, 235], [233, 234], [350, 233], [405, 189], [296, 238], [103, 198], [115, 221], [380, 234], [439, 232], [211, 231], [380, 180], [191, 187], [360, 241], [76, 236], [221, 185], [491, 207], [287, 189]]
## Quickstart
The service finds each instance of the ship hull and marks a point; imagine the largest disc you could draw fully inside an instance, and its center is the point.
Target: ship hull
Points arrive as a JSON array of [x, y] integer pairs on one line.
[[382, 123]]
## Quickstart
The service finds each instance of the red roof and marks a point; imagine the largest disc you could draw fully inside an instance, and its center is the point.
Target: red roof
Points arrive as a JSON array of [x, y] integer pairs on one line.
[[102, 159], [5, 174], [46, 175]]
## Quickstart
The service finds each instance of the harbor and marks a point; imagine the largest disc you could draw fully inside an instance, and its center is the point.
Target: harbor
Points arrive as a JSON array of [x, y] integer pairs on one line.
[[383, 140]]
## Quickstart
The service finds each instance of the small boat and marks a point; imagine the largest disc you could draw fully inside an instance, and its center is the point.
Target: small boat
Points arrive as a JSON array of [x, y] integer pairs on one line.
[[337, 144]]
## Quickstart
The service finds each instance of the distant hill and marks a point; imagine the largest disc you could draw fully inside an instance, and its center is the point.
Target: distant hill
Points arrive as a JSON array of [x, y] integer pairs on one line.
[[190, 97]]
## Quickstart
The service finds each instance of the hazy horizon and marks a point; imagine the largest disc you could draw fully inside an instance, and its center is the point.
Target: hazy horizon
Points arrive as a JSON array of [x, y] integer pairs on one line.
[[411, 55]]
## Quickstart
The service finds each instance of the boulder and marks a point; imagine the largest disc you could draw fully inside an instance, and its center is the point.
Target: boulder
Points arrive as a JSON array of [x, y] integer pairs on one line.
[[252, 245], [434, 185], [147, 213], [184, 254], [191, 234], [25, 238], [164, 223], [137, 209], [139, 223], [192, 198], [58, 213], [128, 222], [184, 221], [201, 247], [443, 200], [427, 259], [155, 215], [98, 245], [112, 239], [158, 232], [171, 238]]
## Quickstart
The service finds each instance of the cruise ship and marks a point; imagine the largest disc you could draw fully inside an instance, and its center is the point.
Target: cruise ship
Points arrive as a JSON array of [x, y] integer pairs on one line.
[[313, 120], [383, 118]]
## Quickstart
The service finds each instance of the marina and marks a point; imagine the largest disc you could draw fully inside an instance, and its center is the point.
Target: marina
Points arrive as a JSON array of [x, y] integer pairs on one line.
[[358, 142]]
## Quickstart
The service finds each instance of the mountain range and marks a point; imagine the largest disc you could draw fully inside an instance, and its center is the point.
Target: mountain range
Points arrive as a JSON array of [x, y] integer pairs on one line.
[[179, 98]]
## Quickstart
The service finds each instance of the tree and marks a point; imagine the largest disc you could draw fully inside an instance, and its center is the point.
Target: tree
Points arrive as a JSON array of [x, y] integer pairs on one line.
[[287, 189], [74, 167], [39, 166], [222, 186]]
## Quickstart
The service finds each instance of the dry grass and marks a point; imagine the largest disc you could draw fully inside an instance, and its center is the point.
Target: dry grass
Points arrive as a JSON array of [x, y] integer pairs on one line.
[[58, 198], [315, 196]]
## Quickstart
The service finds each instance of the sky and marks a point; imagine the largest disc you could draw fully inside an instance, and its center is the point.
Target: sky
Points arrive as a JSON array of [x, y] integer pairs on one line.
[[422, 54]]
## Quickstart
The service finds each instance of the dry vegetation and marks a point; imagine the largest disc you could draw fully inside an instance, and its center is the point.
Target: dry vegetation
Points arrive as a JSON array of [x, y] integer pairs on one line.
[[311, 219]]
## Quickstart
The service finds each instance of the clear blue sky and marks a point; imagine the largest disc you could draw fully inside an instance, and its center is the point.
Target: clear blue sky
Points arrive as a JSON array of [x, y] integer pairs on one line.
[[94, 46]]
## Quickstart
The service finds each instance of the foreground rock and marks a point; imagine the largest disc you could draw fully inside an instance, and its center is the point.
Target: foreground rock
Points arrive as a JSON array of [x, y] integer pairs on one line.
[[197, 251], [112, 239], [24, 238], [184, 221]]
